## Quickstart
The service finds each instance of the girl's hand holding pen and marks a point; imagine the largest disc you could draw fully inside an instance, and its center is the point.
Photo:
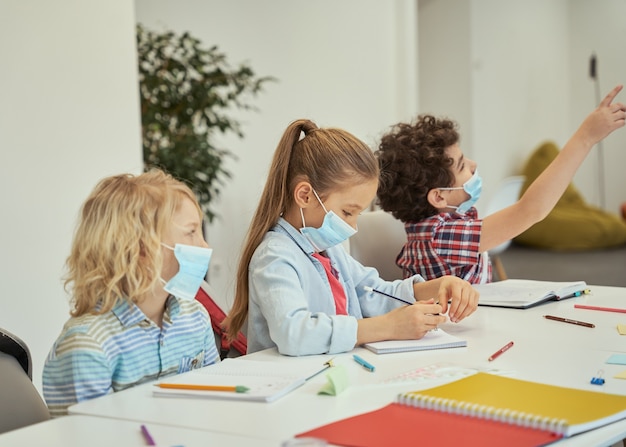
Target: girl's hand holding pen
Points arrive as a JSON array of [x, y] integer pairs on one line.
[[462, 296], [413, 322]]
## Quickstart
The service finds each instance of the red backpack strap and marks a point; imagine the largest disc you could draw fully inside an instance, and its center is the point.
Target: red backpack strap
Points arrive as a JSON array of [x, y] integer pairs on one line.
[[240, 344]]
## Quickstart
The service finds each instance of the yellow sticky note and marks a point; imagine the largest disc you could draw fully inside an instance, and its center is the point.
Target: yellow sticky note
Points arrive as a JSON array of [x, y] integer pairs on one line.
[[337, 381], [621, 375], [621, 328]]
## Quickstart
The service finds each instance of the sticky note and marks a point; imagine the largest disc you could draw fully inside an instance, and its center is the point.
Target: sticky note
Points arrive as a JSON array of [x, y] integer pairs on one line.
[[617, 359], [621, 328], [337, 381], [621, 375]]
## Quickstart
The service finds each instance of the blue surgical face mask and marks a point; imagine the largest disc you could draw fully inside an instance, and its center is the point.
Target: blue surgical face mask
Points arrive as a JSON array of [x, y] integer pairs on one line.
[[334, 230], [193, 264], [473, 186]]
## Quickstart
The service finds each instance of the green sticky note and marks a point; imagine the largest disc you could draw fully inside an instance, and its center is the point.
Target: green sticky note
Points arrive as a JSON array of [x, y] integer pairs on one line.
[[337, 381]]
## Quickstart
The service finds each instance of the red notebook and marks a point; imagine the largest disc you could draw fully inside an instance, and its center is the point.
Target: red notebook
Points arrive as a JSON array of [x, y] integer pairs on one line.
[[400, 425]]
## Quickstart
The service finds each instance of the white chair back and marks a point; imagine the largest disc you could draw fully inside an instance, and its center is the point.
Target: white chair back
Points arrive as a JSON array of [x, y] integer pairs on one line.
[[508, 193], [378, 242]]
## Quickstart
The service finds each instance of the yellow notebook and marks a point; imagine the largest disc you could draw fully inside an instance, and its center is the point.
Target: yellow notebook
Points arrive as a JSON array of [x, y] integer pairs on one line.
[[566, 411]]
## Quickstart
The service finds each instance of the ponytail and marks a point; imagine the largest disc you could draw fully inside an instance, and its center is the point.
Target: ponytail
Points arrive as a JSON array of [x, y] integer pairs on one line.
[[273, 203]]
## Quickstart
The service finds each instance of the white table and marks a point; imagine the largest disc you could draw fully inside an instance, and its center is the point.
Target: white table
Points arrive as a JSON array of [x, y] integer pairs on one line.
[[545, 351], [82, 431]]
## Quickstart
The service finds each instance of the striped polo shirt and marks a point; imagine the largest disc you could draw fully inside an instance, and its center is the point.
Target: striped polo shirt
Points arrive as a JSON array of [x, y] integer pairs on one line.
[[99, 354]]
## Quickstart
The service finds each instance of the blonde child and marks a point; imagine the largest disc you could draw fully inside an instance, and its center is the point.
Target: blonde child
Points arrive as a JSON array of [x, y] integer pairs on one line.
[[137, 260], [296, 286], [427, 183]]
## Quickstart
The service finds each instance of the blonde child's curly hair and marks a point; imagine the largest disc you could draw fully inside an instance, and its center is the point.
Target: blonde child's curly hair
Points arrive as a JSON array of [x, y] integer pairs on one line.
[[116, 252]]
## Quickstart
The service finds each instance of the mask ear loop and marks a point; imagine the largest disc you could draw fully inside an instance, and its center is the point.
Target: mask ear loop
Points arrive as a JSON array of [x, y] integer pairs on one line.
[[320, 201], [454, 207], [171, 248], [451, 189], [302, 215]]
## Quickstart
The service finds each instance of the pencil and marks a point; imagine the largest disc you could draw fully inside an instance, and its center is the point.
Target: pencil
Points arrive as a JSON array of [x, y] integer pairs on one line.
[[371, 289], [607, 309], [188, 386], [570, 321], [327, 364]]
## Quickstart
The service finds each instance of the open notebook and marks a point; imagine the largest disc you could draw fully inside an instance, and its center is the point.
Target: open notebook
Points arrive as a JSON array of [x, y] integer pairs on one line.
[[482, 409], [438, 339], [525, 293], [264, 380]]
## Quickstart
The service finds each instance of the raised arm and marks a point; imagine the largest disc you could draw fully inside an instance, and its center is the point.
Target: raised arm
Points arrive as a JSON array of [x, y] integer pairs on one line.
[[543, 194]]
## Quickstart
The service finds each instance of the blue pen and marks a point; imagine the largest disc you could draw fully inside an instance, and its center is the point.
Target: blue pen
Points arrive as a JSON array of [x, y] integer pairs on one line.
[[576, 294], [364, 363]]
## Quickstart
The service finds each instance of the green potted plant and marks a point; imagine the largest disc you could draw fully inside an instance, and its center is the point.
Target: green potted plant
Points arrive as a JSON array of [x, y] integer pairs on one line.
[[186, 91]]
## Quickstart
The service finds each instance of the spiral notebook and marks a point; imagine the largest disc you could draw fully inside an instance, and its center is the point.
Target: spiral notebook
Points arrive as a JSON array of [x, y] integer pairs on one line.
[[476, 406], [438, 339]]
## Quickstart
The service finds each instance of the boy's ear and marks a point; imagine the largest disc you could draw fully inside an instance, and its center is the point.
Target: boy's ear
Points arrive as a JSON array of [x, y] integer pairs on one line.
[[437, 200], [302, 194]]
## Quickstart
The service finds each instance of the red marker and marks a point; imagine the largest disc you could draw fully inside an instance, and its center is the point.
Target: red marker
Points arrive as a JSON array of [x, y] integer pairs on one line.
[[607, 309], [499, 352]]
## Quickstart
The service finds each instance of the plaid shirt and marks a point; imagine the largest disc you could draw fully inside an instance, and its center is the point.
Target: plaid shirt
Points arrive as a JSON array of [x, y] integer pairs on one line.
[[445, 244]]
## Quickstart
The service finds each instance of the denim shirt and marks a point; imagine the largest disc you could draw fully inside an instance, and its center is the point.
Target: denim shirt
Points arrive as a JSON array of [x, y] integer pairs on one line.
[[291, 305]]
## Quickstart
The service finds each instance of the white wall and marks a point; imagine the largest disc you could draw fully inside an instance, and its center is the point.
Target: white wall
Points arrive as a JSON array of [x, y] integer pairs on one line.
[[348, 64], [519, 82], [600, 28], [514, 74], [444, 67], [69, 116]]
